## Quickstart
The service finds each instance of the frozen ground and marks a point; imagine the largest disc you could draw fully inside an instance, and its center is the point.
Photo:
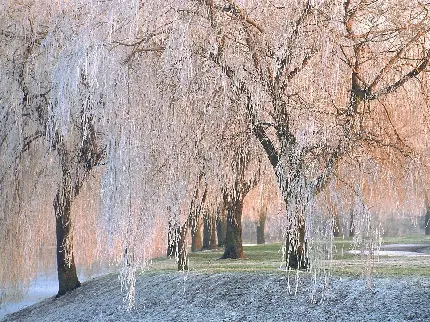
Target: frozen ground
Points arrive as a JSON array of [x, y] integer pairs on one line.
[[46, 285], [43, 287], [239, 297], [403, 250]]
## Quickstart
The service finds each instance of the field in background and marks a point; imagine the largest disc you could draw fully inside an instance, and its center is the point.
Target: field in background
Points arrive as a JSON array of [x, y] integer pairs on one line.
[[268, 259]]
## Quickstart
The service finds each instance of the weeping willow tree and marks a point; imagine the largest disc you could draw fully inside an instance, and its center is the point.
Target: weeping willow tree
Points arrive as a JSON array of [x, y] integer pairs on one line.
[[65, 98], [154, 95], [319, 81]]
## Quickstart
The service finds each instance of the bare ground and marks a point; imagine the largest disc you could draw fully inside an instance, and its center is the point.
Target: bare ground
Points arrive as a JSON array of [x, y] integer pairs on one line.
[[239, 297]]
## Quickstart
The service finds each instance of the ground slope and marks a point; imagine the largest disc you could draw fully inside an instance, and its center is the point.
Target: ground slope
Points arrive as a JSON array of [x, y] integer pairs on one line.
[[239, 297]]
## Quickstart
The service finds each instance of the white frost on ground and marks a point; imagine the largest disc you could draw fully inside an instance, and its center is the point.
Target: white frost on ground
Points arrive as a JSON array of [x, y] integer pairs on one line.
[[238, 297], [388, 253], [41, 288], [403, 250], [46, 285]]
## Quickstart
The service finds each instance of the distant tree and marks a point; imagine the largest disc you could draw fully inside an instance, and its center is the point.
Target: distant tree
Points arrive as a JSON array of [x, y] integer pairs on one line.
[[209, 229], [196, 217], [196, 234], [261, 224], [233, 200], [221, 226], [427, 216]]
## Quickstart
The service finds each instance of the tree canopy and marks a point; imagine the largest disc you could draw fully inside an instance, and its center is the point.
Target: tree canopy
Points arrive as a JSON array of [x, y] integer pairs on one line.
[[130, 106]]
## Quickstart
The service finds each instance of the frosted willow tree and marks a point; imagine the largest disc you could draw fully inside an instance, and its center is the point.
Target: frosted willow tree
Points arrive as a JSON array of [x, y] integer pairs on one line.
[[51, 107], [319, 80], [162, 93], [66, 107]]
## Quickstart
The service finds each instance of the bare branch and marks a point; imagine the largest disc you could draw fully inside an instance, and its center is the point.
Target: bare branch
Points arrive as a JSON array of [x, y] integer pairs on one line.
[[393, 60], [241, 13], [413, 73]]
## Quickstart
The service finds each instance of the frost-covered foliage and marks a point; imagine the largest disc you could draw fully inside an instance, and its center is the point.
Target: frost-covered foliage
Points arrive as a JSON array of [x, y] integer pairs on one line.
[[324, 87], [140, 103]]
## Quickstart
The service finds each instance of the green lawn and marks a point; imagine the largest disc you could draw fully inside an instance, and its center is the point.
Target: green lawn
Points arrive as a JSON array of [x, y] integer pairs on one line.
[[268, 259]]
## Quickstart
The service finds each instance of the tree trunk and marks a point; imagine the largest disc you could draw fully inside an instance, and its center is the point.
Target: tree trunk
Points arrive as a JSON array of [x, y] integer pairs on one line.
[[209, 233], [182, 249], [260, 227], [351, 225], [206, 230], [172, 238], [296, 247], [196, 234], [427, 222], [221, 227], [67, 277], [213, 243], [233, 244], [336, 226]]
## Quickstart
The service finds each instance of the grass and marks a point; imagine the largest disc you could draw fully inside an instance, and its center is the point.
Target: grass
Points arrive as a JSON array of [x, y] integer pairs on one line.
[[260, 258], [268, 259]]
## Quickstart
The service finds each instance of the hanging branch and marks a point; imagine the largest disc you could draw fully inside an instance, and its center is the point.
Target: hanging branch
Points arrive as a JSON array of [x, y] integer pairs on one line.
[[413, 73], [395, 58], [239, 12]]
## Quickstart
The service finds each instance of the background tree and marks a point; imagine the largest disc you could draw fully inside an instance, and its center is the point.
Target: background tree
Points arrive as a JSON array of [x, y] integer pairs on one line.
[[221, 225]]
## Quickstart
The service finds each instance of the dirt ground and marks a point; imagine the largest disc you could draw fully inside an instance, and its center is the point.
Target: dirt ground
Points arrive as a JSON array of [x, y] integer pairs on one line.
[[239, 297]]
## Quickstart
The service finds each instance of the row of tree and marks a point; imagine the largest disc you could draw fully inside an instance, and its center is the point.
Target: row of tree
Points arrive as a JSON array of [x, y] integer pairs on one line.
[[179, 108]]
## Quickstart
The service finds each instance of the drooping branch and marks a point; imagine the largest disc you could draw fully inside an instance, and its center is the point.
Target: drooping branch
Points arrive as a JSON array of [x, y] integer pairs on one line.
[[413, 73], [394, 59], [285, 58], [239, 12], [326, 175], [257, 128]]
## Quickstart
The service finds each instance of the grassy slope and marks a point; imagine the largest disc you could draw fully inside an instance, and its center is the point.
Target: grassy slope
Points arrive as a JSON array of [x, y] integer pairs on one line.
[[252, 289]]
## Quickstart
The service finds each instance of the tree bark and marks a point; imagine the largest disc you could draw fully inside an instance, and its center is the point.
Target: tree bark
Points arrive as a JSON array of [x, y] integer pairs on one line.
[[351, 225], [209, 231], [182, 249], [172, 238], [260, 227], [427, 221], [221, 227], [67, 276], [196, 234], [296, 247], [233, 244]]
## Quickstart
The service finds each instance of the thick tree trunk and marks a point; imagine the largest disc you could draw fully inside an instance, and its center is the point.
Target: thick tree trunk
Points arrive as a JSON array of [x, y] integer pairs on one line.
[[261, 224], [233, 244], [182, 249], [67, 277], [221, 228], [196, 234], [296, 247]]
